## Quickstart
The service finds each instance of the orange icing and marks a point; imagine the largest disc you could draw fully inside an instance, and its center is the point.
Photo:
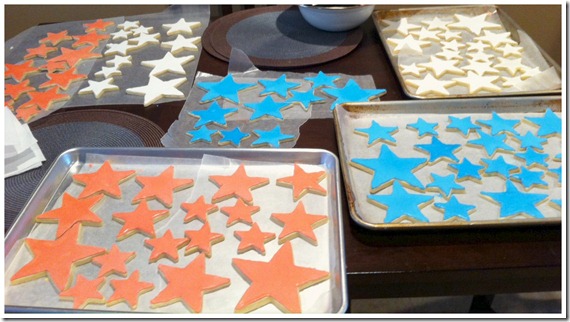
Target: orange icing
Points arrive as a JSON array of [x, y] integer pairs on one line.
[[188, 284], [40, 51], [63, 79], [129, 290], [84, 292], [253, 239], [240, 212], [20, 71], [105, 180], [72, 211], [91, 39], [54, 66], [17, 90], [202, 240], [161, 187], [44, 100], [73, 56], [26, 114], [299, 223], [165, 246], [238, 185], [56, 259], [278, 281], [114, 262], [303, 182], [55, 38], [99, 24], [198, 209], [140, 220]]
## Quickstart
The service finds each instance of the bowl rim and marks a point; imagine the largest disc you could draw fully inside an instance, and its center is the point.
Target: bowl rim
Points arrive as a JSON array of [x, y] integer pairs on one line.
[[335, 7]]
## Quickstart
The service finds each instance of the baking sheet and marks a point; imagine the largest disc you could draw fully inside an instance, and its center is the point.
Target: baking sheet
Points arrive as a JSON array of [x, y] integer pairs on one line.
[[533, 55], [326, 297], [358, 182]]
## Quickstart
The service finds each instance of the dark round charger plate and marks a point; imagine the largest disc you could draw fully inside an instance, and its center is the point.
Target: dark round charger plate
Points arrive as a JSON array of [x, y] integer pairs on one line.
[[59, 132], [277, 37]]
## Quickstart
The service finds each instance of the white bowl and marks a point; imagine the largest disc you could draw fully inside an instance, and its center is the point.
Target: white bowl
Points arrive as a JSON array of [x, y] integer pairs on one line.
[[336, 18]]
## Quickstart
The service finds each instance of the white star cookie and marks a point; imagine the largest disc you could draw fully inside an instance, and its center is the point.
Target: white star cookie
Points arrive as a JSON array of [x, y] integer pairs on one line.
[[157, 89], [436, 24], [121, 48], [530, 72], [425, 34], [408, 45], [99, 88], [128, 25], [141, 30], [182, 43], [515, 81], [477, 46], [440, 67], [411, 69], [143, 40], [452, 45], [481, 68], [120, 34], [480, 56], [430, 85], [120, 61], [476, 83], [512, 66], [510, 50], [475, 24], [448, 54], [449, 35], [401, 26], [168, 63], [107, 72], [181, 27], [496, 39]]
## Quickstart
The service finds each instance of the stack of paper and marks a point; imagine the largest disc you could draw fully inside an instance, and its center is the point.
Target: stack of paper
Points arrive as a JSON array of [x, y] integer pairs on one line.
[[21, 150]]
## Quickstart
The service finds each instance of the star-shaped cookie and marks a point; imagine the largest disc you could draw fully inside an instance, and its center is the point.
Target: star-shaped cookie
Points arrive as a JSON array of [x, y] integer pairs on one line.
[[378, 133], [513, 202], [401, 205], [161, 187], [267, 108], [273, 138], [299, 223], [303, 182], [157, 89], [165, 247], [84, 292], [253, 239], [198, 209], [240, 212], [238, 185], [202, 240], [98, 88], [454, 209], [352, 92], [129, 290], [226, 88], [104, 180], [279, 86], [141, 220], [213, 114], [113, 262], [439, 151]]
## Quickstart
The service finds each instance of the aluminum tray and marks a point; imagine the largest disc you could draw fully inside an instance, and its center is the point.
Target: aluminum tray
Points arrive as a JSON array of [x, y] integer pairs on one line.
[[399, 113], [443, 12], [333, 296]]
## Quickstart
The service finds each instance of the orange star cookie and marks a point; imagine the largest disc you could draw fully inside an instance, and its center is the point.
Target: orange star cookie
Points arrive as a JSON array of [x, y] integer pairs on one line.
[[54, 66], [278, 281], [26, 114], [40, 51], [105, 180], [84, 292], [63, 79], [165, 246], [91, 39], [140, 220], [188, 285], [161, 187], [238, 185], [240, 212], [20, 71], [303, 182], [73, 56], [72, 211], [198, 209], [129, 290], [55, 38], [113, 262], [55, 259], [202, 240], [99, 24], [253, 239], [44, 100], [299, 224], [18, 89]]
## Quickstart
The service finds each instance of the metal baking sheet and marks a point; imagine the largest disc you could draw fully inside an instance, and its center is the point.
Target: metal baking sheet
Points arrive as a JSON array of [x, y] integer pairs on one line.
[[400, 113], [327, 297], [446, 13]]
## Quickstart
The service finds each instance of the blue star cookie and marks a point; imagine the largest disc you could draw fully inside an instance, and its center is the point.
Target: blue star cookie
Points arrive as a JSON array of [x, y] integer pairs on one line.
[[556, 203], [500, 125], [464, 125], [529, 178], [438, 150], [305, 99], [423, 127], [531, 157], [201, 134], [491, 143], [280, 86], [226, 88], [530, 140], [499, 167], [454, 209], [549, 124], [267, 107], [445, 185], [514, 202], [557, 172], [467, 170], [273, 137], [377, 133], [389, 167], [323, 80], [233, 137], [352, 92], [401, 204], [214, 114]]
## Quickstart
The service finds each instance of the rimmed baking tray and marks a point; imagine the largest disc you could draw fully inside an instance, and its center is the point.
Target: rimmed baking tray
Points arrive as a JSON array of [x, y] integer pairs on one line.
[[327, 297], [446, 13], [349, 117]]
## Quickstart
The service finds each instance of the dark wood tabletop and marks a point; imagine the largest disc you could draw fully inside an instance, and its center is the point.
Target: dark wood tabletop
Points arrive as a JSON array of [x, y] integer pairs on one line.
[[475, 261]]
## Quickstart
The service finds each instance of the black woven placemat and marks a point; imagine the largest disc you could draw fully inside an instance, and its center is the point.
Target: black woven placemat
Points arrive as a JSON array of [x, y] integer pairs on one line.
[[59, 132]]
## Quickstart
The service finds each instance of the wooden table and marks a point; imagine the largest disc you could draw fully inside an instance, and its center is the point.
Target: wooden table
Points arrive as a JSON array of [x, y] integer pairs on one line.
[[414, 263]]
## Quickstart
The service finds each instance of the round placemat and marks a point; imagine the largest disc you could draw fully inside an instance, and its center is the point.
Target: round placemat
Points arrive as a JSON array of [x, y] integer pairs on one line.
[[62, 131], [207, 41], [279, 37]]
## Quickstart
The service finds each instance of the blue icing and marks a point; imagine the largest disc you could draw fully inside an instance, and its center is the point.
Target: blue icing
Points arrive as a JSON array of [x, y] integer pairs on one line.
[[558, 172], [226, 88], [466, 169], [323, 80], [529, 178], [267, 107], [438, 149], [280, 86], [499, 124], [445, 184], [400, 203], [272, 137], [305, 98], [201, 134], [462, 124], [549, 124], [557, 203], [423, 127], [499, 166], [214, 114], [352, 92], [453, 208], [491, 143], [377, 132], [530, 140], [531, 157], [234, 136], [514, 202]]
